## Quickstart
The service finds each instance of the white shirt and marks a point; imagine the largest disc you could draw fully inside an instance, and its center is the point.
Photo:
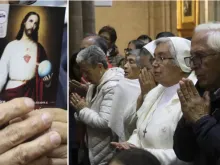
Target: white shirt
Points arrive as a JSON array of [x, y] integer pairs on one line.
[[19, 61]]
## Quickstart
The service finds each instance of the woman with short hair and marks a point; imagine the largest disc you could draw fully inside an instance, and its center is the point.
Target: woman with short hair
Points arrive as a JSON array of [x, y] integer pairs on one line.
[[95, 110]]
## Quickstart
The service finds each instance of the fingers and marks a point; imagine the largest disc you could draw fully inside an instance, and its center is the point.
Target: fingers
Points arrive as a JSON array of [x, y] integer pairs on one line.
[[16, 120], [77, 96], [132, 146], [184, 90], [61, 128], [125, 145], [17, 133], [15, 108], [27, 152], [57, 114], [146, 75], [182, 98], [56, 161], [72, 103], [140, 79], [206, 97], [74, 84], [41, 161], [188, 87], [45, 78], [73, 99], [150, 76], [48, 77], [193, 89], [60, 152]]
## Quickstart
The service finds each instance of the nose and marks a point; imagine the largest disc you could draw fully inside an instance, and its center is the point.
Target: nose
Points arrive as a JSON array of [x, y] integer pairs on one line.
[[126, 66], [155, 64], [33, 25]]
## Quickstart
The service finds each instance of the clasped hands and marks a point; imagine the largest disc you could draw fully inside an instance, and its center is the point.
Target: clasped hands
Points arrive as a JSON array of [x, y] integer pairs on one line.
[[193, 106], [146, 81], [32, 137], [77, 102]]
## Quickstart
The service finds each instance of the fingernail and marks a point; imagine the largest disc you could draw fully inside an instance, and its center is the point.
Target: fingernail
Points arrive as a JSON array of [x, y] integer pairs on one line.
[[47, 119], [29, 102], [55, 138]]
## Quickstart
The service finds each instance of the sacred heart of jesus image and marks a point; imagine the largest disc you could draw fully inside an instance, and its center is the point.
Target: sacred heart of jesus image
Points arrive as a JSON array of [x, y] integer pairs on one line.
[[44, 68]]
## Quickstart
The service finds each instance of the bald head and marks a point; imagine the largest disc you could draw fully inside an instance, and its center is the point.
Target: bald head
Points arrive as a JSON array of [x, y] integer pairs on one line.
[[94, 40], [88, 41]]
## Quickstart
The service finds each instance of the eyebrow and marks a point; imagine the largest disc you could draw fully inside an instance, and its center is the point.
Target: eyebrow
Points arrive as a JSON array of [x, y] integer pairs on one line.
[[197, 51]]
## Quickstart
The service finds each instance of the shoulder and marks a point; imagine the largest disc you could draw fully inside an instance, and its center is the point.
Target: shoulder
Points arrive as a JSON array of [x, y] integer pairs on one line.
[[12, 43], [109, 86], [40, 46], [41, 49]]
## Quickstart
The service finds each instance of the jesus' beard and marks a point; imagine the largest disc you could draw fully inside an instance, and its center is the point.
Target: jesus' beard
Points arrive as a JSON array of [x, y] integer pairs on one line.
[[29, 33]]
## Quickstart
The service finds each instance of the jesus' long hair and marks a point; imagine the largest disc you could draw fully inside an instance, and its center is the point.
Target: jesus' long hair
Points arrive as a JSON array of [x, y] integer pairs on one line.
[[34, 35]]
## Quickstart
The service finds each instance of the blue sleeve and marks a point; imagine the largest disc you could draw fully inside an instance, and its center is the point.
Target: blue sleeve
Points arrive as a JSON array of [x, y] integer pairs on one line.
[[61, 101], [185, 145], [207, 130]]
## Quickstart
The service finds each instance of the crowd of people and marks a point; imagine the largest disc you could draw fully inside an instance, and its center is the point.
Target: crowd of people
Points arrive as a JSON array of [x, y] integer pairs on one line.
[[157, 103]]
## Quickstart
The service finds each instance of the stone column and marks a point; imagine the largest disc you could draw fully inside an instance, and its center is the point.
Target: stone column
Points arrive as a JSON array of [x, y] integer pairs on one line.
[[75, 26], [88, 13]]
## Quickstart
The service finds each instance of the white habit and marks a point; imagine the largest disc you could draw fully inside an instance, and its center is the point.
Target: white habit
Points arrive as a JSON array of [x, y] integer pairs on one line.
[[157, 121]]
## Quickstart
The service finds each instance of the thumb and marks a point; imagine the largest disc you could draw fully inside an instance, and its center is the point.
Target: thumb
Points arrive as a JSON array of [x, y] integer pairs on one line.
[[206, 97]]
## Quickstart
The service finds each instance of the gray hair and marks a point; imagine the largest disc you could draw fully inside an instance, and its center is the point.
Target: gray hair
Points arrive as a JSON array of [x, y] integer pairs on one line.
[[135, 52], [212, 32], [92, 55], [171, 48], [145, 52], [142, 52]]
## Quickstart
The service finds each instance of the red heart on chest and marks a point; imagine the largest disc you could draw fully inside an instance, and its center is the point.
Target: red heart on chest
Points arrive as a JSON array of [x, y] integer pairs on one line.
[[27, 58]]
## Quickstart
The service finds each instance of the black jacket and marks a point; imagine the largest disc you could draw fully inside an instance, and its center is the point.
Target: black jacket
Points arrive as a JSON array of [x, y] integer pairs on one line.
[[200, 143]]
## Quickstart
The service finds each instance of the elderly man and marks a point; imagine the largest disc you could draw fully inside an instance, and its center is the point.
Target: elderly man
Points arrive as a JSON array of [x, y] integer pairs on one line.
[[197, 136]]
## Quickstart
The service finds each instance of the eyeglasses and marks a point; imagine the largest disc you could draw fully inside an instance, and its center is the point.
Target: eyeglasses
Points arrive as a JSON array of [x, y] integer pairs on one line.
[[127, 50], [160, 59], [196, 59]]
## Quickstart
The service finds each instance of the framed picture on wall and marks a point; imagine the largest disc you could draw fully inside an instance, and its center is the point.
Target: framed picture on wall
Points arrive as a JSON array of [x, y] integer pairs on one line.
[[187, 16]]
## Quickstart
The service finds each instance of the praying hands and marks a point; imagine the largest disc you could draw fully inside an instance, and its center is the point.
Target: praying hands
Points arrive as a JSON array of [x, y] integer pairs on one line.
[[77, 102], [147, 81], [193, 106]]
